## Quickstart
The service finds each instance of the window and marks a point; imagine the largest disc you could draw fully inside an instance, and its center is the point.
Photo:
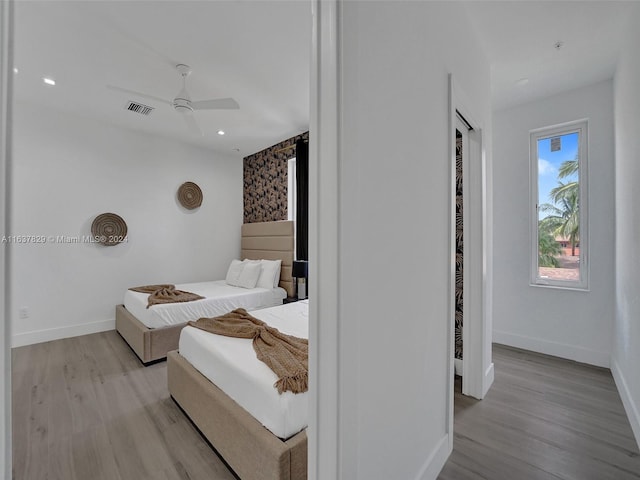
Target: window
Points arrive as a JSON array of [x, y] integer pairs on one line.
[[291, 189], [559, 205]]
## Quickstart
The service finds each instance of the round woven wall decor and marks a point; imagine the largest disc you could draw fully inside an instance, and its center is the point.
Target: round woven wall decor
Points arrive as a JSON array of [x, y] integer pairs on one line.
[[109, 229], [190, 195]]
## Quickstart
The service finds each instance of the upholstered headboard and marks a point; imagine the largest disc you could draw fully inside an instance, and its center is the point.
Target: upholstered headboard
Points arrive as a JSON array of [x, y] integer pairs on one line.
[[271, 241]]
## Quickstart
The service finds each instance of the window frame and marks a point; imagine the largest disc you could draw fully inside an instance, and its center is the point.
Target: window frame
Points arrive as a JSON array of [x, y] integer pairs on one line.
[[582, 128]]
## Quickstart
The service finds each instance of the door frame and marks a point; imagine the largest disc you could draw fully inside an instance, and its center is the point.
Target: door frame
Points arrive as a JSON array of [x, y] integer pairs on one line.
[[325, 437], [6, 80], [477, 370]]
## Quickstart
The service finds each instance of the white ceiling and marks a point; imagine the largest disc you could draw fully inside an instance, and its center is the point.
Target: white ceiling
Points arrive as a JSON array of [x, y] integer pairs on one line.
[[519, 37], [257, 52]]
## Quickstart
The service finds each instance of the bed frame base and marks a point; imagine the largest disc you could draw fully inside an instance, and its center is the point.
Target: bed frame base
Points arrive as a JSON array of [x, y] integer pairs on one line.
[[150, 344], [251, 450]]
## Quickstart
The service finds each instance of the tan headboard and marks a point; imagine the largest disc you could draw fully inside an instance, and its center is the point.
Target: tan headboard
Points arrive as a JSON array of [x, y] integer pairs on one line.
[[271, 241]]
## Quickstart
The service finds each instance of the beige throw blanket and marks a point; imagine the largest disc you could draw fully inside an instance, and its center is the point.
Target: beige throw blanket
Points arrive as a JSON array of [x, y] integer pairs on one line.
[[286, 355], [159, 294]]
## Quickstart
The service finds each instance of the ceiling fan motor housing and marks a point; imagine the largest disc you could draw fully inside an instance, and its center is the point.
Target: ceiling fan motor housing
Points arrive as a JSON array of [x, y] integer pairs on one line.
[[182, 102], [182, 105]]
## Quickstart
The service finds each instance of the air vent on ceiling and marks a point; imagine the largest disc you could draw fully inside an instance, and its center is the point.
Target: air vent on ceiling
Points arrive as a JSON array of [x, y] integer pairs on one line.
[[139, 108]]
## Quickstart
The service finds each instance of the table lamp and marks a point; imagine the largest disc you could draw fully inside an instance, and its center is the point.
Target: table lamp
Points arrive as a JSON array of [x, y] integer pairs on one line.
[[300, 271]]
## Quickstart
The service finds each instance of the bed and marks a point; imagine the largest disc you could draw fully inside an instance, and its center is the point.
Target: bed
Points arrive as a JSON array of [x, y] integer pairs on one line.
[[155, 334], [219, 298], [229, 395]]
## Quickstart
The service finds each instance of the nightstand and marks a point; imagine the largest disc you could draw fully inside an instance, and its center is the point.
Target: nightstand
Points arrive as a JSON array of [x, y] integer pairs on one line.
[[290, 300]]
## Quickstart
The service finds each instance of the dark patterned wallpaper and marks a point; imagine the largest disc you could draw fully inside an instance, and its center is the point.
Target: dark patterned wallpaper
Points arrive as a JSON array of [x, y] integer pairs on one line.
[[459, 246], [265, 182]]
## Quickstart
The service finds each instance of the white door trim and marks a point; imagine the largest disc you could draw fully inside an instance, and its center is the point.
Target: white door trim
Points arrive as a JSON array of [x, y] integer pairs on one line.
[[323, 432]]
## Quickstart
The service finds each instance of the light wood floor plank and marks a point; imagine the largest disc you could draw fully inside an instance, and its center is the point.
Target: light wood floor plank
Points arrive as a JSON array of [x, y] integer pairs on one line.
[[473, 460], [31, 405], [61, 463], [93, 457]]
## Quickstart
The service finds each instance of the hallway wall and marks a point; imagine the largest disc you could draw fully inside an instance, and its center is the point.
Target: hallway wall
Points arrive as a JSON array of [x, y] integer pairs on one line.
[[572, 324]]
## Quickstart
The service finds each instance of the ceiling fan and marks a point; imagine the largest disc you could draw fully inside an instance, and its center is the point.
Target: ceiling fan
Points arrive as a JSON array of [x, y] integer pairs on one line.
[[183, 104]]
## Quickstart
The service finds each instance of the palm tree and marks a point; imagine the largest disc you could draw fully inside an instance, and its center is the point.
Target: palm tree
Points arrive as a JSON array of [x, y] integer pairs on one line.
[[568, 168], [564, 218], [548, 248]]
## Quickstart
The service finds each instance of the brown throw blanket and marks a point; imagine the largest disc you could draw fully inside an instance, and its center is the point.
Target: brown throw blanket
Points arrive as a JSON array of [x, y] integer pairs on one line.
[[165, 294], [286, 355]]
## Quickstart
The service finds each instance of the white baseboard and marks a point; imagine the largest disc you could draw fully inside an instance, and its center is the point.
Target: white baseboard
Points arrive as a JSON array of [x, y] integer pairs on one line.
[[487, 381], [630, 406], [570, 352], [435, 463], [457, 366], [39, 336]]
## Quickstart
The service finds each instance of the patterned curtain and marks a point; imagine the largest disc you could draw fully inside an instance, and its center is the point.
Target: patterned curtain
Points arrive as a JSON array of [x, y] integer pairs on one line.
[[302, 197]]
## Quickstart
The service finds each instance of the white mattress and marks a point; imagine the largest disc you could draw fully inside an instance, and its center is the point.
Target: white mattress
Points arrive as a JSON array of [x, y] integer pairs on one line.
[[231, 364], [219, 298]]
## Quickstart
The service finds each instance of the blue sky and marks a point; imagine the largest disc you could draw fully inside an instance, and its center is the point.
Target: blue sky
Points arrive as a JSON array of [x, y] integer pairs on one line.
[[549, 162]]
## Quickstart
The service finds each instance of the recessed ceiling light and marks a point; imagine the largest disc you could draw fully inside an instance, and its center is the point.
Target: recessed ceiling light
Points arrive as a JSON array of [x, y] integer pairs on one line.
[[522, 82], [49, 81], [15, 69], [220, 132], [558, 45]]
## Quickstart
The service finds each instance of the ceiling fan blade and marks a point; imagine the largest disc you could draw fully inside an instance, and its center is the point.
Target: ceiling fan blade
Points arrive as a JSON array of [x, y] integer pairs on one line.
[[192, 125], [217, 104], [139, 94]]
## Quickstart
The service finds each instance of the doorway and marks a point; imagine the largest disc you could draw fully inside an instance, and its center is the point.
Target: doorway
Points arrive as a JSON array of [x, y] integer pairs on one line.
[[470, 306], [462, 146]]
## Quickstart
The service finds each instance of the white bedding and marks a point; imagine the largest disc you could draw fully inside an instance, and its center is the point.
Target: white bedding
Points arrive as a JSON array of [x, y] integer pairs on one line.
[[219, 298], [232, 365]]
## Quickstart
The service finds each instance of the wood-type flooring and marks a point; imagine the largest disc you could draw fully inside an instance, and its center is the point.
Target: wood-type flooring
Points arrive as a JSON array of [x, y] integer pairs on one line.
[[85, 408]]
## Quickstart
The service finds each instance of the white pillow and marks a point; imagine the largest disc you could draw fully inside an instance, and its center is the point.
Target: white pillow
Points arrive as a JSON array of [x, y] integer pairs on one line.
[[270, 274], [233, 274], [276, 277], [249, 275], [246, 260]]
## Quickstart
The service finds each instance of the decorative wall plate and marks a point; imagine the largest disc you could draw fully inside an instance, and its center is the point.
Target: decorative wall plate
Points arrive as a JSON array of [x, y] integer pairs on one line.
[[109, 229], [190, 195]]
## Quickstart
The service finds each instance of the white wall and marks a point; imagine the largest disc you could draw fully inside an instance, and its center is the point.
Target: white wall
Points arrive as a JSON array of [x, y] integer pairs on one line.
[[571, 324], [70, 169], [625, 359], [393, 227]]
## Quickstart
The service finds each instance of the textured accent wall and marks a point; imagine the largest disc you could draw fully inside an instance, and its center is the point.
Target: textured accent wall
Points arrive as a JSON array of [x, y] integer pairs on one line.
[[459, 247], [265, 181]]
